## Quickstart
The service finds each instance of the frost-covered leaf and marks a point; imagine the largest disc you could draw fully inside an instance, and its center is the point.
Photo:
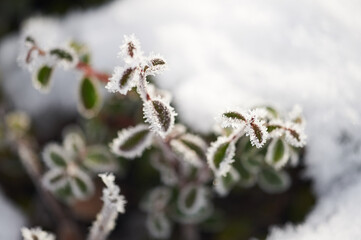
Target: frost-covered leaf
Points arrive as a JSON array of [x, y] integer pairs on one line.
[[224, 184], [273, 181], [99, 159], [158, 226], [123, 79], [130, 50], [191, 148], [155, 92], [55, 156], [252, 163], [65, 57], [192, 199], [295, 136], [233, 119], [220, 155], [155, 65], [55, 179], [160, 115], [36, 234], [74, 143], [89, 97], [157, 200], [42, 78], [203, 213], [131, 142], [167, 173], [277, 153], [247, 178], [80, 182], [257, 133]]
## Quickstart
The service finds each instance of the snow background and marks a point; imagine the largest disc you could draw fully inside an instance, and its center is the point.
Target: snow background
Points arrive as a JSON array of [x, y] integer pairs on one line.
[[235, 53]]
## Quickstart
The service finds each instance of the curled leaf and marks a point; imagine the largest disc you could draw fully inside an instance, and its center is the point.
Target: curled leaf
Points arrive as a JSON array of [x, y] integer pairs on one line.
[[131, 142]]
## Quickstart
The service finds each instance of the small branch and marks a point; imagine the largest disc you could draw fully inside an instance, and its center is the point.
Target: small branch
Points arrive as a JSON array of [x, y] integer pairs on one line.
[[89, 71], [31, 164]]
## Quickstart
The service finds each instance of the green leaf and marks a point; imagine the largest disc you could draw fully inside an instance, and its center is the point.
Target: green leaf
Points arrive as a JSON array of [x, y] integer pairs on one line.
[[234, 115], [220, 154], [99, 159], [164, 115], [277, 153], [224, 184], [191, 197], [62, 54], [132, 142], [273, 181], [89, 98], [57, 159], [126, 77], [42, 78], [55, 156]]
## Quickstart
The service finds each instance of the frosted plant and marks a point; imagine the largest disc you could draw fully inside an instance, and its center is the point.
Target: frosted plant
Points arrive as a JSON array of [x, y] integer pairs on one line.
[[41, 62], [113, 205], [234, 159], [157, 111], [253, 146], [71, 164], [36, 234]]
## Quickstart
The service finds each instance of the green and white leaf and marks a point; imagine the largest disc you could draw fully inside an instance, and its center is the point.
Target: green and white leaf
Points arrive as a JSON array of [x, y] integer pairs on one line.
[[158, 225], [74, 143], [160, 115], [234, 119], [55, 156], [65, 57], [99, 159], [220, 155], [224, 184], [123, 79], [191, 148], [80, 182], [89, 97], [42, 78], [157, 200], [252, 163], [54, 179], [131, 142], [278, 153], [273, 181], [192, 199]]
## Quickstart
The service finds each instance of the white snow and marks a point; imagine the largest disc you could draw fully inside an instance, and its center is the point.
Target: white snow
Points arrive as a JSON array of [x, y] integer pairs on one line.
[[238, 53]]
